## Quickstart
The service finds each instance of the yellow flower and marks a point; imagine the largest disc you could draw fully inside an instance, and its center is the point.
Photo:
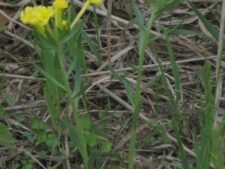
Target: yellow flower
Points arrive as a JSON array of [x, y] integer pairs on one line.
[[84, 8], [95, 2], [37, 17], [59, 5]]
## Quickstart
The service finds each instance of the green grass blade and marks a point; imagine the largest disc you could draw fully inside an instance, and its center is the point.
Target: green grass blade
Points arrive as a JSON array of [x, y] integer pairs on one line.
[[210, 27], [176, 119], [175, 70], [142, 44], [50, 78], [126, 83], [160, 6], [138, 18], [77, 139], [91, 45], [6, 139], [204, 149]]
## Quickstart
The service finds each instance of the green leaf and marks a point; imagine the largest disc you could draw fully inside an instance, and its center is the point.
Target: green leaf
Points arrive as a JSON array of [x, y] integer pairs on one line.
[[77, 137], [41, 137], [160, 6], [205, 146], [2, 29], [209, 25], [38, 125], [28, 166], [176, 119], [126, 83], [136, 12], [51, 78], [52, 140], [91, 45], [187, 32], [2, 111], [106, 147], [174, 69], [92, 139], [85, 122], [6, 139]]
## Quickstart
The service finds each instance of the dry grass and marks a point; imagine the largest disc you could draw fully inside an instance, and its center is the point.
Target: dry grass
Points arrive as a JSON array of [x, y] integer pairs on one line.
[[22, 91]]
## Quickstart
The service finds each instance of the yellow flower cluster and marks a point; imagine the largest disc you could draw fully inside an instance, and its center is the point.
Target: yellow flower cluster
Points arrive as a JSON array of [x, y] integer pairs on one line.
[[59, 5], [38, 17]]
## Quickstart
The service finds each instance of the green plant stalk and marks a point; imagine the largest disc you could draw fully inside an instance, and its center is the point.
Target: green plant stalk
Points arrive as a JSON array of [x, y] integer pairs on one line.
[[219, 56], [72, 101], [150, 22], [217, 156], [80, 14], [137, 99], [176, 121], [177, 126], [205, 146], [52, 91]]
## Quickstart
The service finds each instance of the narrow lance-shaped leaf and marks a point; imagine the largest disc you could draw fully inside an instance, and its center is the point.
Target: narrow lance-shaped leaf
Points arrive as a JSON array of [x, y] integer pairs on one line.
[[6, 139], [160, 6]]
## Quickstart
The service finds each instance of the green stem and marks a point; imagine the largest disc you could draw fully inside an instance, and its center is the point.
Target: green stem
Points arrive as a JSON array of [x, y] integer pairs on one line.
[[143, 42], [58, 17], [74, 107], [220, 57], [151, 21], [80, 14]]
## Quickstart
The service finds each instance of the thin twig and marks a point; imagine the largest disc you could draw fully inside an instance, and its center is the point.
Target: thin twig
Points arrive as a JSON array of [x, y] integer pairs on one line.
[[102, 13], [19, 39], [2, 13], [32, 105], [8, 75], [149, 66], [34, 158]]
